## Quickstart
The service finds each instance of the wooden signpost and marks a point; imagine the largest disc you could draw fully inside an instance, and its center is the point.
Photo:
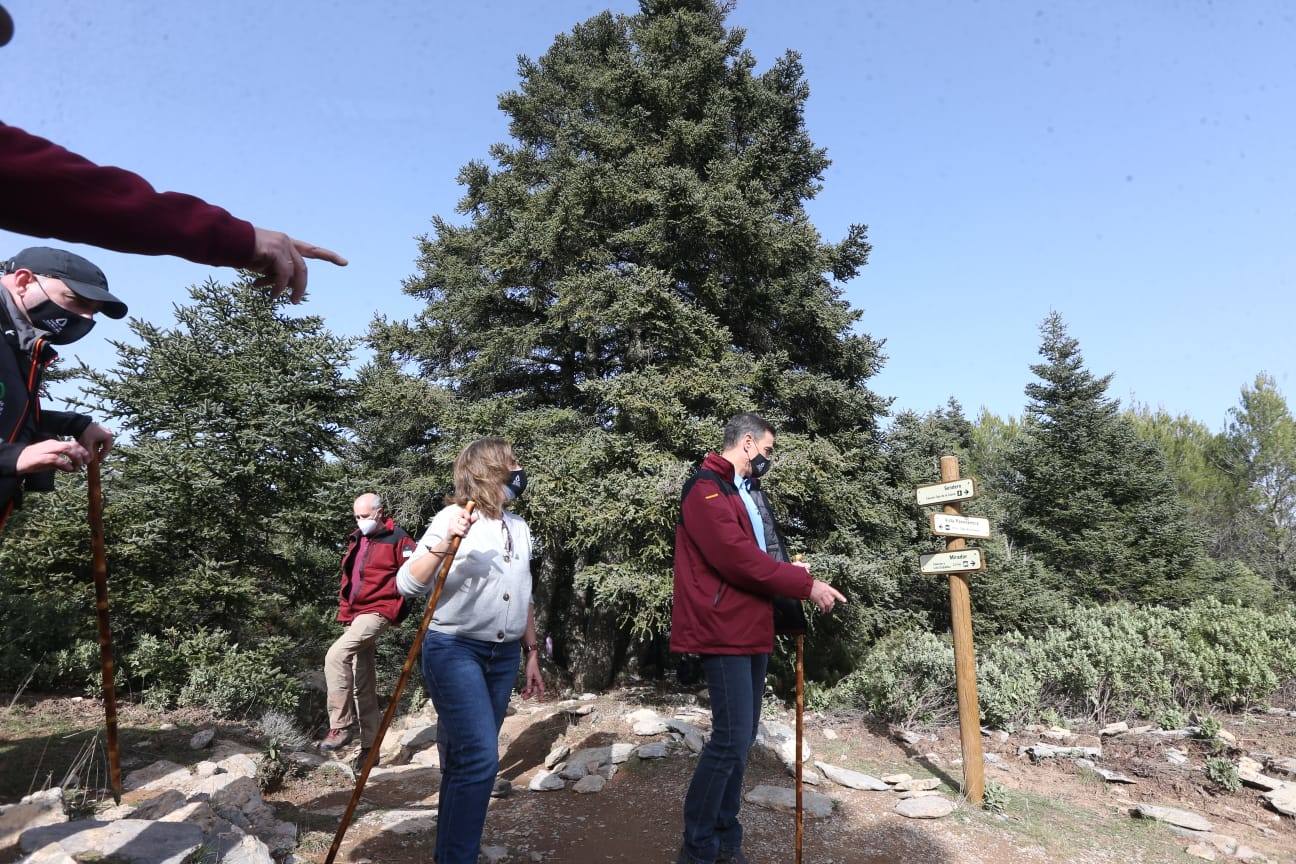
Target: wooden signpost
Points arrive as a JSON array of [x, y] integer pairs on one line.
[[958, 561]]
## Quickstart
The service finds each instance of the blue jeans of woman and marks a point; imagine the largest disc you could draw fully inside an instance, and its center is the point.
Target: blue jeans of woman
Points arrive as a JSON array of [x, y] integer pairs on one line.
[[736, 685], [469, 682]]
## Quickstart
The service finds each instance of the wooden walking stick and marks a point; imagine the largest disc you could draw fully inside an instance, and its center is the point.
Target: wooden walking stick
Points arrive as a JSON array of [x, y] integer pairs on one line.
[[105, 632], [442, 571], [800, 716]]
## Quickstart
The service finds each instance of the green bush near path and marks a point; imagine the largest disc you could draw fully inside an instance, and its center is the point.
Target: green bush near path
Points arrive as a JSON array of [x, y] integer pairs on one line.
[[1102, 663]]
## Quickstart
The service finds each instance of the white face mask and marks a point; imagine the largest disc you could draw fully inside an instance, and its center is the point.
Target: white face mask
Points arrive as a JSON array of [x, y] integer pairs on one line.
[[367, 526]]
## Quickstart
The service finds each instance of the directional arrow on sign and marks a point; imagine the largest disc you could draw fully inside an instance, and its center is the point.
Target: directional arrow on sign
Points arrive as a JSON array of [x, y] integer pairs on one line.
[[950, 525], [963, 561], [956, 490]]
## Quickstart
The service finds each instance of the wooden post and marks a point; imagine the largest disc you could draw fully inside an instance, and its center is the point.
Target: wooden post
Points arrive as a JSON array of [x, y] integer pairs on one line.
[[964, 655], [800, 718]]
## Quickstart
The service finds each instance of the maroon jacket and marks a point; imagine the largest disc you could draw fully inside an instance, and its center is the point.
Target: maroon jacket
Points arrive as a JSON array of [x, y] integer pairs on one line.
[[51, 192], [723, 581], [388, 549]]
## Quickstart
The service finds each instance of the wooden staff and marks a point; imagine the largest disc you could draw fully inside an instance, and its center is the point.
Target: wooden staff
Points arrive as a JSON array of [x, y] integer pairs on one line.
[[800, 716], [105, 631], [414, 650]]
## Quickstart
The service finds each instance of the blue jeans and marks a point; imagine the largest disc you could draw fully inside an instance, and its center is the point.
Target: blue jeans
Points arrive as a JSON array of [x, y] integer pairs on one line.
[[469, 682], [736, 685]]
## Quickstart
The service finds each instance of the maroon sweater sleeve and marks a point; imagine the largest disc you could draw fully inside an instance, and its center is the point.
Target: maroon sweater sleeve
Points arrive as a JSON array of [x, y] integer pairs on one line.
[[714, 528], [51, 192]]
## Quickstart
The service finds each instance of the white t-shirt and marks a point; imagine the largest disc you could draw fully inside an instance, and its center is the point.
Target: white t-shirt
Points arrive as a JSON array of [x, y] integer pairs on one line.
[[488, 589]]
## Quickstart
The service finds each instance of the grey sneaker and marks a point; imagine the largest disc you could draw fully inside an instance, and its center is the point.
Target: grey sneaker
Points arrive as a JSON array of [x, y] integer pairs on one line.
[[734, 857], [336, 739]]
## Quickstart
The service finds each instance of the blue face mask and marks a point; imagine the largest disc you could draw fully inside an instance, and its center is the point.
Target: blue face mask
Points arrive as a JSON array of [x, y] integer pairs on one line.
[[516, 484]]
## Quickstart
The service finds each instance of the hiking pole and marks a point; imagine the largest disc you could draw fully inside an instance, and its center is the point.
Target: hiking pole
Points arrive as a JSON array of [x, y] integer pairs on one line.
[[442, 571], [105, 632], [800, 717]]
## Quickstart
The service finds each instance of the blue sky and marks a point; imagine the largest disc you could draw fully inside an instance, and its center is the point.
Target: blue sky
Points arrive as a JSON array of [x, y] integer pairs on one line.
[[1132, 165]]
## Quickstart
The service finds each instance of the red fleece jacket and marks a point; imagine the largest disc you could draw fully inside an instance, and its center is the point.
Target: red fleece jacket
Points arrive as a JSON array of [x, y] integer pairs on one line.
[[47, 191], [723, 581]]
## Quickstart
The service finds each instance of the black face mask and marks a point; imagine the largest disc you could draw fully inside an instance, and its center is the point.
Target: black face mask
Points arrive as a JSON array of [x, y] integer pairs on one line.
[[60, 326], [516, 484], [760, 464]]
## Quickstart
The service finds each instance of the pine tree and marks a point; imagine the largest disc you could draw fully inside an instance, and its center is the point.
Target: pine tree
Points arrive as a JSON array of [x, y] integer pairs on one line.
[[224, 505], [1090, 497], [637, 266]]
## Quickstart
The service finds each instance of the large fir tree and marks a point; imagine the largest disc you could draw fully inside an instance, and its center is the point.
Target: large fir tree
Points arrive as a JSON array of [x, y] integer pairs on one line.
[[637, 266], [1088, 494]]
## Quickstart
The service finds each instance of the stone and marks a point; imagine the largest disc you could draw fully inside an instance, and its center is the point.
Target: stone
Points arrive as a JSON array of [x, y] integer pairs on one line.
[[202, 739], [1057, 733], [226, 792], [1113, 729], [608, 771], [1140, 730], [1284, 766], [620, 752], [333, 766], [1249, 772], [1105, 774], [830, 734], [405, 821], [655, 750], [206, 768], [160, 805], [162, 774], [590, 783], [851, 779], [1170, 734], [546, 781], [655, 726], [781, 798], [418, 737], [503, 788], [34, 811], [199, 813], [1227, 737], [910, 737], [1220, 843], [429, 758], [780, 739], [126, 841], [1000, 736], [892, 779], [588, 697], [1175, 756], [494, 854], [921, 793], [247, 850], [1283, 799], [693, 737], [239, 764], [1038, 752], [51, 854], [556, 755], [928, 807], [809, 777], [1173, 816], [574, 770], [990, 759], [1202, 851], [918, 785]]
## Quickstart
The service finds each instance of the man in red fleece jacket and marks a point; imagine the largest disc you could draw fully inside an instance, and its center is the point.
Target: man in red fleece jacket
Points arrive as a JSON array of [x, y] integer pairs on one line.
[[50, 192], [723, 609]]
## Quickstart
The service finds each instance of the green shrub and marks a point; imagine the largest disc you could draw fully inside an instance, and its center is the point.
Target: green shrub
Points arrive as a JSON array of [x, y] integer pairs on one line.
[[1223, 774], [1173, 717], [200, 668], [907, 677], [1208, 727]]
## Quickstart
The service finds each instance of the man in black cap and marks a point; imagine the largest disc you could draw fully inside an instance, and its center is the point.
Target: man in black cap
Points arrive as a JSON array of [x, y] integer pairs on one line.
[[49, 297]]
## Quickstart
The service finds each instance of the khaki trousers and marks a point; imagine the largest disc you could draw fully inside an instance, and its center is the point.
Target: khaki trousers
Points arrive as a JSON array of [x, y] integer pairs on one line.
[[351, 675]]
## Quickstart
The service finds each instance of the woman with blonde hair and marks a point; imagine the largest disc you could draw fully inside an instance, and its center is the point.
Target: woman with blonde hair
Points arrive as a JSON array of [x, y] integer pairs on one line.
[[483, 621]]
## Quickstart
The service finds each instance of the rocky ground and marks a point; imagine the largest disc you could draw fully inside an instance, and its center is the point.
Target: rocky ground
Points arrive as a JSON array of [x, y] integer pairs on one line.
[[601, 778]]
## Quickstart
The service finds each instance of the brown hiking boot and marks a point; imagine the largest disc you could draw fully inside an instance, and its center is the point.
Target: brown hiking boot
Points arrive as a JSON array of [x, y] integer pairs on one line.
[[336, 739]]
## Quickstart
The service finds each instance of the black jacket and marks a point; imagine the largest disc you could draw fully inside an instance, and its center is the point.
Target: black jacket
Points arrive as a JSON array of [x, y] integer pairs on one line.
[[789, 615], [23, 359]]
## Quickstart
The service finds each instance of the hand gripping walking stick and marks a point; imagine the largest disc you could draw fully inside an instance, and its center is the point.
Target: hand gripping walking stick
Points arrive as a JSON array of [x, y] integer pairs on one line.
[[100, 572], [394, 702]]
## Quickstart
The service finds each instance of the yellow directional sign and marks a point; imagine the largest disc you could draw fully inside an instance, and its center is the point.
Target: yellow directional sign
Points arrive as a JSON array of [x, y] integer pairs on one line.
[[949, 525], [963, 561], [955, 490]]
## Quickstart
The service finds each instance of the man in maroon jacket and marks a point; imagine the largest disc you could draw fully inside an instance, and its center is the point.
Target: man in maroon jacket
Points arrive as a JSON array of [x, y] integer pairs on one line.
[[723, 609], [368, 603], [50, 192]]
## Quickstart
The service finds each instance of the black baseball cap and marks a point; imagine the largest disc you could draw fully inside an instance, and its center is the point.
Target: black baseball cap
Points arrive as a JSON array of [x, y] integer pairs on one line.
[[6, 27], [85, 279]]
